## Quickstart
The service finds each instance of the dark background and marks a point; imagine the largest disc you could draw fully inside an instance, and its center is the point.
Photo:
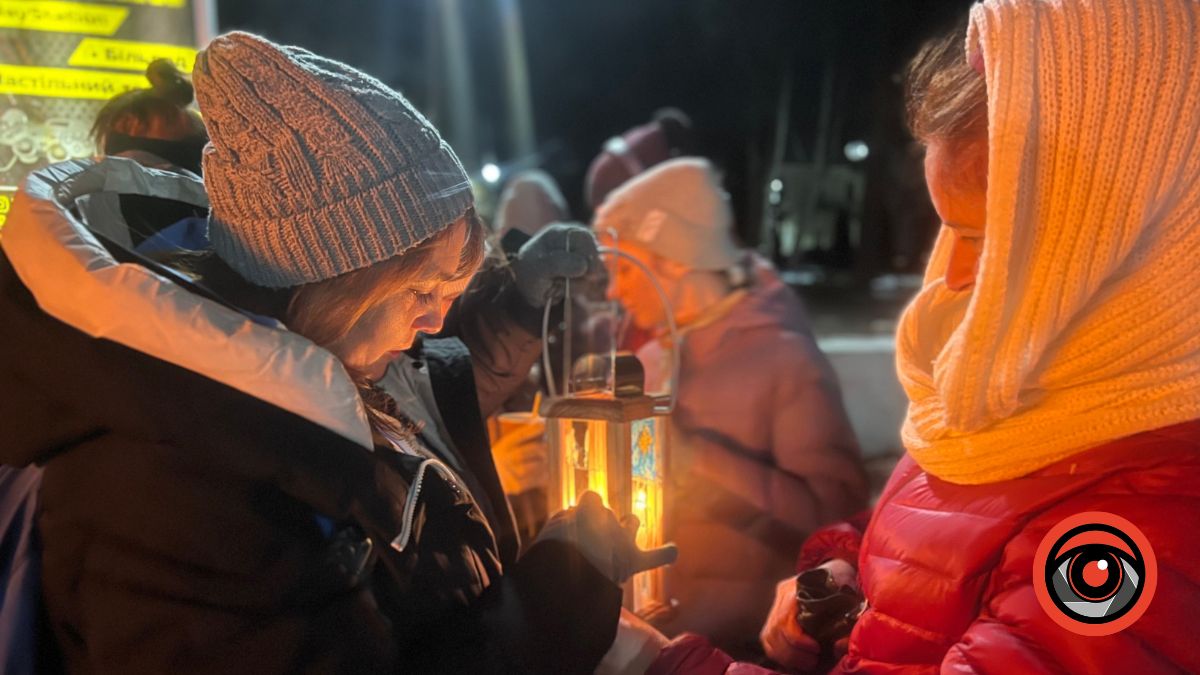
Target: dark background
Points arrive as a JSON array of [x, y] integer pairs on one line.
[[598, 67]]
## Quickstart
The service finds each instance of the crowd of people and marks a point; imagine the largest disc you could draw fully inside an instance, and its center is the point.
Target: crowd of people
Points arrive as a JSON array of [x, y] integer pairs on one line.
[[250, 357]]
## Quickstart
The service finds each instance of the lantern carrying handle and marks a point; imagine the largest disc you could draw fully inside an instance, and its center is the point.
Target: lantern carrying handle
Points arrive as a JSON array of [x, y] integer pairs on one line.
[[661, 407]]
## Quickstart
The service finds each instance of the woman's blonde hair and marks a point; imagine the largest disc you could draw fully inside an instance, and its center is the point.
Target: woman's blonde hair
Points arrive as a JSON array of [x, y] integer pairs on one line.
[[326, 310], [946, 99]]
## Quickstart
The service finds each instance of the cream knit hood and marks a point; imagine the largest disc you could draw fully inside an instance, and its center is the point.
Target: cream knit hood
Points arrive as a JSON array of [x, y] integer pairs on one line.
[[1084, 322]]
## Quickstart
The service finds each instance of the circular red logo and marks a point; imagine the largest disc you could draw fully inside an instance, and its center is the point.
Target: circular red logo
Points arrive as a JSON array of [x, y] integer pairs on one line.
[[1095, 573]]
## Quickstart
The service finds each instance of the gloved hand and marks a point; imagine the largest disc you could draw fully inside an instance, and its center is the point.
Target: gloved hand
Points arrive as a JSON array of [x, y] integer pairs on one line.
[[608, 544], [829, 601], [809, 625], [557, 252]]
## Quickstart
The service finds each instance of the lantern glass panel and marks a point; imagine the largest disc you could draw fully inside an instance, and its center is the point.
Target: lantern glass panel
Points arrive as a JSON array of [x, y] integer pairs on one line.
[[584, 459], [647, 496]]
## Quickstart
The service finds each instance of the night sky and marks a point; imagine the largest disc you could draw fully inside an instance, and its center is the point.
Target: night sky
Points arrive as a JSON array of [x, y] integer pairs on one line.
[[598, 67]]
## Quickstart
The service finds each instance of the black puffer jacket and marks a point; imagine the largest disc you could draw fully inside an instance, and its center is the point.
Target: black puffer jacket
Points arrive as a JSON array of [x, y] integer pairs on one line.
[[194, 462]]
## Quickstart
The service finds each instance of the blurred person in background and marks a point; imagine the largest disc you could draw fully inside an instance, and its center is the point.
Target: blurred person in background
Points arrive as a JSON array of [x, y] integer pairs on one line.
[[158, 128], [668, 134], [763, 451], [530, 203], [155, 126]]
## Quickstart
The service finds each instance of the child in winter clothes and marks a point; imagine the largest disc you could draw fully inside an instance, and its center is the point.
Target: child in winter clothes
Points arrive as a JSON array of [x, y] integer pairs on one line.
[[1052, 363]]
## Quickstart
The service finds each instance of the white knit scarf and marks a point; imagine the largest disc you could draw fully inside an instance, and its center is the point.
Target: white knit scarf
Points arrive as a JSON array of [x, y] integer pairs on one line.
[[1084, 322]]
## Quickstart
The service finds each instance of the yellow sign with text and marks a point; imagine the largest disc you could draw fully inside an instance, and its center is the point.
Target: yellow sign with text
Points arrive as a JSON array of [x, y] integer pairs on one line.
[[62, 17], [126, 55], [65, 83], [5, 204]]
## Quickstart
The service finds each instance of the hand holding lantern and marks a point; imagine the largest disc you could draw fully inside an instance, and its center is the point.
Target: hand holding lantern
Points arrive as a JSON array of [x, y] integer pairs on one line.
[[607, 543]]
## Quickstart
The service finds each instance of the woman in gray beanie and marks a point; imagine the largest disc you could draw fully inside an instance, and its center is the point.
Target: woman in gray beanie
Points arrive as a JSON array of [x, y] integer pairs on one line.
[[253, 462]]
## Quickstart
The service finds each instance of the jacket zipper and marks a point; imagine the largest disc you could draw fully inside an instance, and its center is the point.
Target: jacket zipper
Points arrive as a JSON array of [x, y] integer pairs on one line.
[[410, 504]]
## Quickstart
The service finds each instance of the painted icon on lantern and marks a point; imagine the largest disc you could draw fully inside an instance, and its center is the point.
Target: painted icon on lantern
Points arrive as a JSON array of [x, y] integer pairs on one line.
[[1095, 573]]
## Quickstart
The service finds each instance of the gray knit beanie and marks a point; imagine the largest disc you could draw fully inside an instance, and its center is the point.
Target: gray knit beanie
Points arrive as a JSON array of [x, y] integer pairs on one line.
[[316, 169]]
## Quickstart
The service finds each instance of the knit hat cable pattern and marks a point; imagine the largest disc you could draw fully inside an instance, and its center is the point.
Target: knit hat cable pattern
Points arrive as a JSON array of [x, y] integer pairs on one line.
[[316, 169], [1084, 322]]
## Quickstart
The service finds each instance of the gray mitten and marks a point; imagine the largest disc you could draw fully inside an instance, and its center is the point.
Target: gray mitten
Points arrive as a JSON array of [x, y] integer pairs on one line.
[[608, 544], [557, 252]]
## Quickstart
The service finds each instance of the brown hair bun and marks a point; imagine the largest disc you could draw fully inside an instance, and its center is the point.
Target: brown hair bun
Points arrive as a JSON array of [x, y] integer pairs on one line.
[[169, 83]]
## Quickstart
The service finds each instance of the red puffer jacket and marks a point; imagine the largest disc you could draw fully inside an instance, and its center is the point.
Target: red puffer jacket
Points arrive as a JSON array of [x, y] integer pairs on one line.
[[947, 569]]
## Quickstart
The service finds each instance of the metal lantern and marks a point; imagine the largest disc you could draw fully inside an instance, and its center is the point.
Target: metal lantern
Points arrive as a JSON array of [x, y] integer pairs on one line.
[[615, 446], [605, 434]]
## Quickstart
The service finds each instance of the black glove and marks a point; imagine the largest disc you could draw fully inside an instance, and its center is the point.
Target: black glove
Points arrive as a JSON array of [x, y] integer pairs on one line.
[[557, 252], [607, 543]]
